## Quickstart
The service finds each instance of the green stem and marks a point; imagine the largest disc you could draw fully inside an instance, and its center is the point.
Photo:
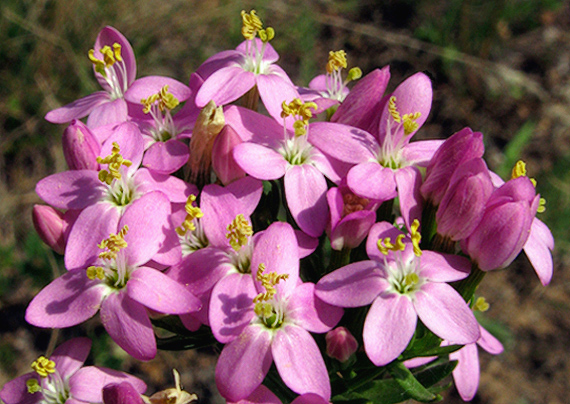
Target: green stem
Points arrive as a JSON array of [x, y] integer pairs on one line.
[[429, 226], [384, 212], [467, 286]]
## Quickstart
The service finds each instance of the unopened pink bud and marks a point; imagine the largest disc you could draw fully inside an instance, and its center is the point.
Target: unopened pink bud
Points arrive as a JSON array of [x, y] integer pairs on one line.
[[460, 147], [121, 393], [341, 344], [223, 161], [51, 226], [80, 147]]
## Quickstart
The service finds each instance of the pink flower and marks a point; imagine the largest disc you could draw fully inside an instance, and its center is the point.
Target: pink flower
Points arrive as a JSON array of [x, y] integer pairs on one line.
[[277, 323], [262, 395], [119, 283], [341, 344], [62, 379], [115, 69], [401, 286]]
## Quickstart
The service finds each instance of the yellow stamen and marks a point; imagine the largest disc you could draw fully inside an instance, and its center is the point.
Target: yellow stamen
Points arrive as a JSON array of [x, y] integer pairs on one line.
[[411, 279], [166, 100], [94, 272], [386, 245], [267, 34], [115, 161], [113, 244], [238, 232], [337, 61], [541, 205], [268, 282], [301, 111], [354, 74], [251, 24], [392, 109], [117, 52], [481, 304], [110, 56], [43, 366], [33, 386], [416, 237], [519, 170], [192, 212]]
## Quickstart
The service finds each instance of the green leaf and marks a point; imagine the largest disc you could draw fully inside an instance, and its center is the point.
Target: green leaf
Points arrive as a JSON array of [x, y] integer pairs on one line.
[[409, 383]]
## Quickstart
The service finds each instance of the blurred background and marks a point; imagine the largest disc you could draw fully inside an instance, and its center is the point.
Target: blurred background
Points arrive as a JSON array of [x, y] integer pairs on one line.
[[499, 67]]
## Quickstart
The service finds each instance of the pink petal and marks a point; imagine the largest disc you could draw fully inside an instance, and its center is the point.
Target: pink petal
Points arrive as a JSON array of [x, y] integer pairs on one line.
[[115, 111], [259, 161], [275, 87], [220, 208], [68, 300], [77, 109], [93, 225], [223, 162], [166, 157], [489, 343], [388, 328], [128, 325], [158, 292], [75, 189], [248, 190], [343, 142], [261, 395], [253, 126], [379, 231], [305, 190], [437, 267], [147, 219], [372, 181], [87, 384], [70, 356], [408, 181], [16, 391], [538, 249], [217, 62], [225, 85], [353, 285], [310, 312], [299, 362], [150, 85], [108, 36], [128, 136], [277, 249], [444, 312], [352, 229], [174, 188], [269, 55], [243, 363], [231, 306], [421, 152], [466, 373]]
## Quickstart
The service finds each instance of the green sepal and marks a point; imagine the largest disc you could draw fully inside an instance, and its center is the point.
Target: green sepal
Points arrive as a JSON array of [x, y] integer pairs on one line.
[[199, 339]]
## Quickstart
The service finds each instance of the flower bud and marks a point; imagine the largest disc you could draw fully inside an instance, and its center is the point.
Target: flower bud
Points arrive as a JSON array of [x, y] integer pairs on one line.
[[121, 393], [505, 225], [80, 147], [460, 147], [463, 204], [208, 125], [341, 344], [51, 226], [223, 161]]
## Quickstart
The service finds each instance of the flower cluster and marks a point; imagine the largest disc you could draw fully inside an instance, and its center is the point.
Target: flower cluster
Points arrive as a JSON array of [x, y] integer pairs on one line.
[[184, 210]]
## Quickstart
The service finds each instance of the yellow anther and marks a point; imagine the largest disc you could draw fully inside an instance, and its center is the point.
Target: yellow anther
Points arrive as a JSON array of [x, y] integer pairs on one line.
[[337, 61], [238, 232], [354, 74], [386, 245], [541, 205], [94, 272], [99, 64], [392, 109], [268, 282], [301, 111], [411, 279], [113, 244], [115, 161], [519, 170], [166, 100], [416, 237], [251, 24], [410, 124], [117, 52], [481, 304], [43, 366], [33, 386], [192, 212], [266, 34]]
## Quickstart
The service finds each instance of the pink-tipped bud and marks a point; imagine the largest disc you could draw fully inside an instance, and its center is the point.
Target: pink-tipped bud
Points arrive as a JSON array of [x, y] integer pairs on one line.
[[341, 344], [80, 147], [121, 393], [463, 204], [51, 226], [460, 147], [223, 161]]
